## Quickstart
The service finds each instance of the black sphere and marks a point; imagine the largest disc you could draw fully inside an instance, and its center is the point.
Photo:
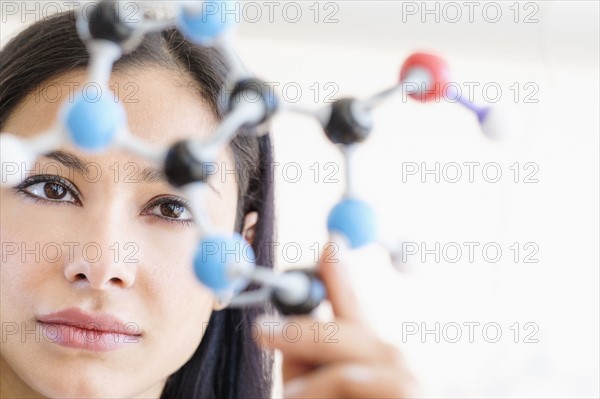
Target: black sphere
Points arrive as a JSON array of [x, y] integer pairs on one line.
[[105, 23], [314, 296], [346, 125], [253, 89], [182, 166]]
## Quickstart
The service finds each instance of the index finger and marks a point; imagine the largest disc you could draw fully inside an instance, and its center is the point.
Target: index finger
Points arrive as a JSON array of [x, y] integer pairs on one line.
[[338, 284]]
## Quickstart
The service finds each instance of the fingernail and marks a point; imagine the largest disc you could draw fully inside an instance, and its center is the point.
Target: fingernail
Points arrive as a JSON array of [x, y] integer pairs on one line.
[[294, 388], [358, 373]]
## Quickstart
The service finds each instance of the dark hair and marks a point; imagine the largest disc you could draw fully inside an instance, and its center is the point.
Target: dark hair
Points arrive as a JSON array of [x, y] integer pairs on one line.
[[227, 363]]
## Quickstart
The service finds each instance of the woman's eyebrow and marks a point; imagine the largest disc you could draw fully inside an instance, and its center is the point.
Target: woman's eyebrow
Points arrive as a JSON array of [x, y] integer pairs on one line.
[[147, 174], [155, 175], [69, 160]]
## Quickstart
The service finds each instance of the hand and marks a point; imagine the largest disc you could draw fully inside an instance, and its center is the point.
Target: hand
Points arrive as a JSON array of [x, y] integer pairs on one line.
[[342, 358]]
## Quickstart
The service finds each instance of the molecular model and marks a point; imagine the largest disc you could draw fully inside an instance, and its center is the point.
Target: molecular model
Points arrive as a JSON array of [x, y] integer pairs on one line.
[[99, 126]]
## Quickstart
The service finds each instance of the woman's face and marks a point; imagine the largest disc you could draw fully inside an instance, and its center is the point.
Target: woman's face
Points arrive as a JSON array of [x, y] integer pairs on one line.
[[113, 240]]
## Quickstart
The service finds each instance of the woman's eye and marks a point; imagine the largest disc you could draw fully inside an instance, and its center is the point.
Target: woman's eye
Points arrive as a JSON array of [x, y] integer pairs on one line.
[[171, 209], [50, 188]]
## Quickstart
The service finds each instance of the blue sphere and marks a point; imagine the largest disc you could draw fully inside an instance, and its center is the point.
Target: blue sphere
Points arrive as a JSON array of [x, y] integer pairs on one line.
[[203, 27], [217, 257], [355, 220], [93, 125]]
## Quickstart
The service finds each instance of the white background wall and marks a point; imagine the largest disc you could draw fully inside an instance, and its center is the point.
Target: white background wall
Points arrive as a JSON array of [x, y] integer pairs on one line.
[[557, 54]]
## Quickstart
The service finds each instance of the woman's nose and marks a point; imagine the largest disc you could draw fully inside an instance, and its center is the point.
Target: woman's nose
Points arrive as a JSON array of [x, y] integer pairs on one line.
[[103, 274], [107, 258]]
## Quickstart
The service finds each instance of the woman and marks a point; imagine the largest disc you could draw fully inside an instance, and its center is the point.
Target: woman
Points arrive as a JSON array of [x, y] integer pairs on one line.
[[102, 238]]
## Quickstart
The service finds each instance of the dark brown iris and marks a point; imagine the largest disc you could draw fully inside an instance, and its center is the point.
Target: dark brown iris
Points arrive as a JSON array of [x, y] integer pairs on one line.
[[54, 191], [171, 210]]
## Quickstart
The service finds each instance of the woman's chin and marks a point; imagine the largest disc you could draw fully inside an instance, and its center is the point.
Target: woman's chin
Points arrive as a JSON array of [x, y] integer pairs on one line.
[[81, 381], [85, 386]]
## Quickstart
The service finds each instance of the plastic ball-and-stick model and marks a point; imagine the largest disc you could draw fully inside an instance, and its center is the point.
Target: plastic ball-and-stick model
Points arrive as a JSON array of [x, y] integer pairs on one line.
[[102, 125]]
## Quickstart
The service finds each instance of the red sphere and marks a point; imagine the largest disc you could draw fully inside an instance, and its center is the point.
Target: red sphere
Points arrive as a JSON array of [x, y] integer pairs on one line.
[[438, 70]]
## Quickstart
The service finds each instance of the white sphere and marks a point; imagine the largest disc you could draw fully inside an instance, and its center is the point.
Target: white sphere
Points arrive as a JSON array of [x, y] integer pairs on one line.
[[16, 157], [497, 124]]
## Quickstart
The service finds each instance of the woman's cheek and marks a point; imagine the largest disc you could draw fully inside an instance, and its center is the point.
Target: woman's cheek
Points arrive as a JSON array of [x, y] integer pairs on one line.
[[32, 254], [180, 305], [167, 276]]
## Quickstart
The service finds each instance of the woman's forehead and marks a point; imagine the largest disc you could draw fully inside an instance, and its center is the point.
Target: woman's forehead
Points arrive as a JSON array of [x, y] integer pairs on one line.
[[161, 105]]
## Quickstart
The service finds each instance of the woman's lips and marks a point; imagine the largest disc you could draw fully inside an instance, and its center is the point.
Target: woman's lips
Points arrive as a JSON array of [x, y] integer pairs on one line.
[[98, 332]]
